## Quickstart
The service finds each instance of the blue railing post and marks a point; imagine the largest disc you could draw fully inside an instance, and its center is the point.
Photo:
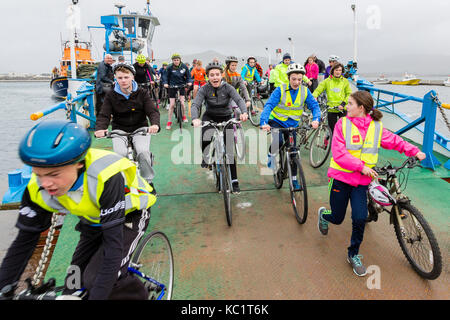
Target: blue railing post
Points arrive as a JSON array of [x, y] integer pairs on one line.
[[429, 109]]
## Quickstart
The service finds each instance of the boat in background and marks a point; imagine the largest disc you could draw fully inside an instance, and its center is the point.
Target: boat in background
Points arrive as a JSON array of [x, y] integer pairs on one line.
[[447, 82], [59, 82], [408, 79], [382, 80]]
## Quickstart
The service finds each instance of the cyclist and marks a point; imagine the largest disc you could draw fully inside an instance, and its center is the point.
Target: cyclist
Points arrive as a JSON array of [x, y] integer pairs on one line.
[[199, 76], [217, 94], [331, 60], [177, 75], [278, 75], [70, 177], [144, 73], [234, 78], [356, 141], [284, 108], [249, 72], [161, 73], [338, 90], [129, 106]]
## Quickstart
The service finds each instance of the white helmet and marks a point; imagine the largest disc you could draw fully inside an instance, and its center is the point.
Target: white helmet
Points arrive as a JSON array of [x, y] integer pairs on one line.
[[380, 194], [295, 67], [333, 58]]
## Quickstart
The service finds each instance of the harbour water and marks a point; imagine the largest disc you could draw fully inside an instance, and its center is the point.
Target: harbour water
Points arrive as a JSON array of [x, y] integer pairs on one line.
[[20, 99]]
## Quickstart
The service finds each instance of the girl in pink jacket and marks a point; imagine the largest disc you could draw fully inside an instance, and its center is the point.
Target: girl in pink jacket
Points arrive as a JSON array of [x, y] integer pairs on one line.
[[312, 72], [349, 179]]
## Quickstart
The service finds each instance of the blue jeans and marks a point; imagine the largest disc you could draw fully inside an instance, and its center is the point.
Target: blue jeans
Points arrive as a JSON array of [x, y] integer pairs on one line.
[[340, 194]]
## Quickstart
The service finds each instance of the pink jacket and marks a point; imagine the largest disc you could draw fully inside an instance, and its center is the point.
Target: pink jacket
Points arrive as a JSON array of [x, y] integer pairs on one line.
[[349, 162], [312, 70]]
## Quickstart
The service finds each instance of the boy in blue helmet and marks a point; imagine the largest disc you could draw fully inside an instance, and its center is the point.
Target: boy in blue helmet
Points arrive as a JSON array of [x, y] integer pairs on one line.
[[100, 187]]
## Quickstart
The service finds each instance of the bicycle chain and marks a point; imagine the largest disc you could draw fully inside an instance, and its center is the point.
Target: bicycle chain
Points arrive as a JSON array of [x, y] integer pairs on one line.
[[439, 104], [46, 251]]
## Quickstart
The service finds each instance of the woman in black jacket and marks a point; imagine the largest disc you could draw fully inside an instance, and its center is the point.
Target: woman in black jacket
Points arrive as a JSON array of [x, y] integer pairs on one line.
[[218, 95]]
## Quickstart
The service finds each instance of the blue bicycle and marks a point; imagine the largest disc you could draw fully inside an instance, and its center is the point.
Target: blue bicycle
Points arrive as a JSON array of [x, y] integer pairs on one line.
[[152, 263]]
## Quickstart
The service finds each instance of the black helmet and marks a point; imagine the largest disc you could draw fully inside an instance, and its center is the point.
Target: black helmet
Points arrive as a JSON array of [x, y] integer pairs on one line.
[[124, 65], [230, 59], [213, 65], [251, 57]]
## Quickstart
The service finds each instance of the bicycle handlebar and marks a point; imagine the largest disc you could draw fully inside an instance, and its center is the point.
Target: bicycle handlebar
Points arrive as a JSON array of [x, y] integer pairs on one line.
[[142, 131], [410, 162], [219, 124]]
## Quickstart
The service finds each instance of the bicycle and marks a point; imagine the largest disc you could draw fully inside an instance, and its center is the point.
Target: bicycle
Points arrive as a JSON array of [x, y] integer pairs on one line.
[[239, 136], [221, 163], [416, 239], [256, 105], [131, 152], [151, 89], [163, 96], [148, 263], [282, 169], [178, 110]]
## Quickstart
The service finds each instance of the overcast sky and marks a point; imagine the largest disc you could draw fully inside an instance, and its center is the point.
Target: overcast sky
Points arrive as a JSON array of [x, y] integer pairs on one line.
[[390, 32]]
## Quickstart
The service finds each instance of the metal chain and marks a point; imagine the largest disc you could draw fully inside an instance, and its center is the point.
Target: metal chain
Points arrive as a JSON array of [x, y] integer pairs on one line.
[[68, 109], [45, 253], [439, 104]]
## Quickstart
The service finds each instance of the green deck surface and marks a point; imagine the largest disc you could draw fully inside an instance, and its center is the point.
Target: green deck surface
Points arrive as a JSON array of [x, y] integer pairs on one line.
[[191, 213]]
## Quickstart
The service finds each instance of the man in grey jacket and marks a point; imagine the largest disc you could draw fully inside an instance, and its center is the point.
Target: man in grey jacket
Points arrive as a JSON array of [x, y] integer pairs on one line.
[[104, 82], [218, 95]]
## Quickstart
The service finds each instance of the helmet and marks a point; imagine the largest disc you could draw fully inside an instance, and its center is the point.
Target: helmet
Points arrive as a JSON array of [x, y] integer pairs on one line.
[[124, 65], [141, 58], [213, 65], [251, 57], [380, 194], [230, 59], [333, 58], [165, 63], [54, 143], [155, 66], [176, 56], [295, 68]]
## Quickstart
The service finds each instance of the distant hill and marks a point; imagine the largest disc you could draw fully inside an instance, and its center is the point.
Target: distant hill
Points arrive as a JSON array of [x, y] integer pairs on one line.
[[395, 65], [208, 56]]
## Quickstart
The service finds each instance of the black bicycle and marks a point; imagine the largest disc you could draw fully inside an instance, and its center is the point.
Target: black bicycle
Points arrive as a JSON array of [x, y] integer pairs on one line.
[[178, 110], [288, 155], [414, 234], [256, 106], [220, 162]]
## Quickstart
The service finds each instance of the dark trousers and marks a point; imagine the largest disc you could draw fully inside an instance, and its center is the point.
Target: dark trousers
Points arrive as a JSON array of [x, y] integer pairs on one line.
[[207, 134], [333, 118], [314, 85], [278, 139], [340, 194], [88, 256]]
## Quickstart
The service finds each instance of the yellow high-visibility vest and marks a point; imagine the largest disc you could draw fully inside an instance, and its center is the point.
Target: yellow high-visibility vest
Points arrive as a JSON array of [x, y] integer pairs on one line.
[[366, 150], [100, 166]]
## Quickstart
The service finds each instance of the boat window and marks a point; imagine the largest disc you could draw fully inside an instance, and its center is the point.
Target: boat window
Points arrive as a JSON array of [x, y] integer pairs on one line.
[[143, 27], [128, 24]]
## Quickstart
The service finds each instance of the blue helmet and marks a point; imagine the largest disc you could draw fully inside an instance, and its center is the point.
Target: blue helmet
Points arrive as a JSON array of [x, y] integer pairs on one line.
[[54, 143]]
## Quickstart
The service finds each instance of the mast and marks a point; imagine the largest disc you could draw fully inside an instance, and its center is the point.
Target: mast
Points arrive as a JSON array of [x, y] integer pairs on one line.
[[73, 22], [355, 25]]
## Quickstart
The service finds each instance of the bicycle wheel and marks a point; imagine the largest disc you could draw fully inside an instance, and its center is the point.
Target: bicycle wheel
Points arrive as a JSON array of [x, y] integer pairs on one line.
[[226, 190], [278, 172], [153, 258], [418, 243], [299, 197], [256, 109], [320, 146], [179, 115], [239, 141]]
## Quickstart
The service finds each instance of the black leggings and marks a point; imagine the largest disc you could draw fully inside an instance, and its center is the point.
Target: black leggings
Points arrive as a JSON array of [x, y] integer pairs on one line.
[[333, 118], [207, 134]]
